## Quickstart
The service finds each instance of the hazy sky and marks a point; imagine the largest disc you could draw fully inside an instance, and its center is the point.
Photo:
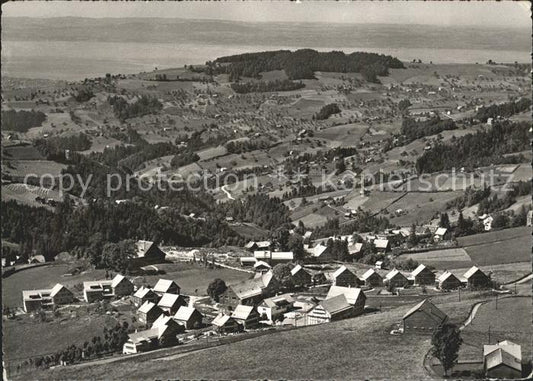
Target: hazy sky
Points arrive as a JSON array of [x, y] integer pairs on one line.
[[480, 13]]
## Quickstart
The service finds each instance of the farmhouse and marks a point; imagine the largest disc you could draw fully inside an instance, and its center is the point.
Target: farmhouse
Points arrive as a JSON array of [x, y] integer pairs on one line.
[[98, 290], [503, 360], [354, 296], [382, 245], [160, 335], [165, 286], [148, 313], [273, 307], [423, 276], [148, 253], [300, 277], [261, 245], [329, 310], [144, 294], [248, 261], [320, 253], [355, 248], [247, 316], [345, 278], [424, 317], [476, 278], [189, 317], [396, 279], [247, 293], [170, 303], [372, 278], [261, 266], [441, 234], [224, 324], [448, 281], [36, 299]]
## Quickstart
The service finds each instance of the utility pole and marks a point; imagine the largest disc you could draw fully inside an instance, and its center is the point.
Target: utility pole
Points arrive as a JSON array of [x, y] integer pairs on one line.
[[496, 301], [459, 293], [489, 334]]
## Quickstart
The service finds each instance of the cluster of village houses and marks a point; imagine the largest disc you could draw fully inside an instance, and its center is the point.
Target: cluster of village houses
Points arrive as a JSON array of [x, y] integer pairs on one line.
[[167, 314]]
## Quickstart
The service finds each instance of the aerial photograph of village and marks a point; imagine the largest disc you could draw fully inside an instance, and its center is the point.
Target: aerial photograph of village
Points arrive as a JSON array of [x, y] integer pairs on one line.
[[266, 190]]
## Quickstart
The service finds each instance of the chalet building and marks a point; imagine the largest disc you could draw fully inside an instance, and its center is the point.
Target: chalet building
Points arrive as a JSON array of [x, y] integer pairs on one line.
[[121, 286], [144, 294], [329, 310], [162, 334], [258, 245], [396, 279], [98, 290], [247, 316], [262, 267], [441, 234], [165, 286], [502, 360], [189, 317], [248, 261], [354, 296], [272, 308], [423, 276], [424, 317], [300, 277], [170, 303], [34, 300], [382, 245], [226, 324], [148, 313], [448, 281], [345, 278], [248, 293], [148, 253], [355, 248], [476, 278], [372, 278], [320, 253]]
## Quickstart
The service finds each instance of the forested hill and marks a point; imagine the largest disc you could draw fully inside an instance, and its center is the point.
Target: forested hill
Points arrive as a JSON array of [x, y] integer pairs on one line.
[[301, 64], [478, 150]]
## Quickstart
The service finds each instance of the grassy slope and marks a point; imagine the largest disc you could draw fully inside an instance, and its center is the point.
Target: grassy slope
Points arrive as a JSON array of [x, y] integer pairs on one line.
[[30, 337], [510, 321], [349, 349]]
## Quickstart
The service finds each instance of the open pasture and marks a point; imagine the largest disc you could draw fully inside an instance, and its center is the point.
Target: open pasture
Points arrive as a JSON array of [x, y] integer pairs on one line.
[[442, 259], [507, 319]]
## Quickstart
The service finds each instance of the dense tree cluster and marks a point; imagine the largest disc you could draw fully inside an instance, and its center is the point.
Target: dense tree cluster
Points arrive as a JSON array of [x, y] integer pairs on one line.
[[184, 158], [413, 129], [471, 196], [477, 150], [241, 146], [301, 64], [269, 213], [86, 230], [21, 121], [53, 148], [83, 95], [266, 86], [143, 106], [326, 111], [503, 110]]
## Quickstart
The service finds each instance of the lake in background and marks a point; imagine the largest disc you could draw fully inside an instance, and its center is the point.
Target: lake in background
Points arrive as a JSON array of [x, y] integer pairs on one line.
[[75, 48]]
